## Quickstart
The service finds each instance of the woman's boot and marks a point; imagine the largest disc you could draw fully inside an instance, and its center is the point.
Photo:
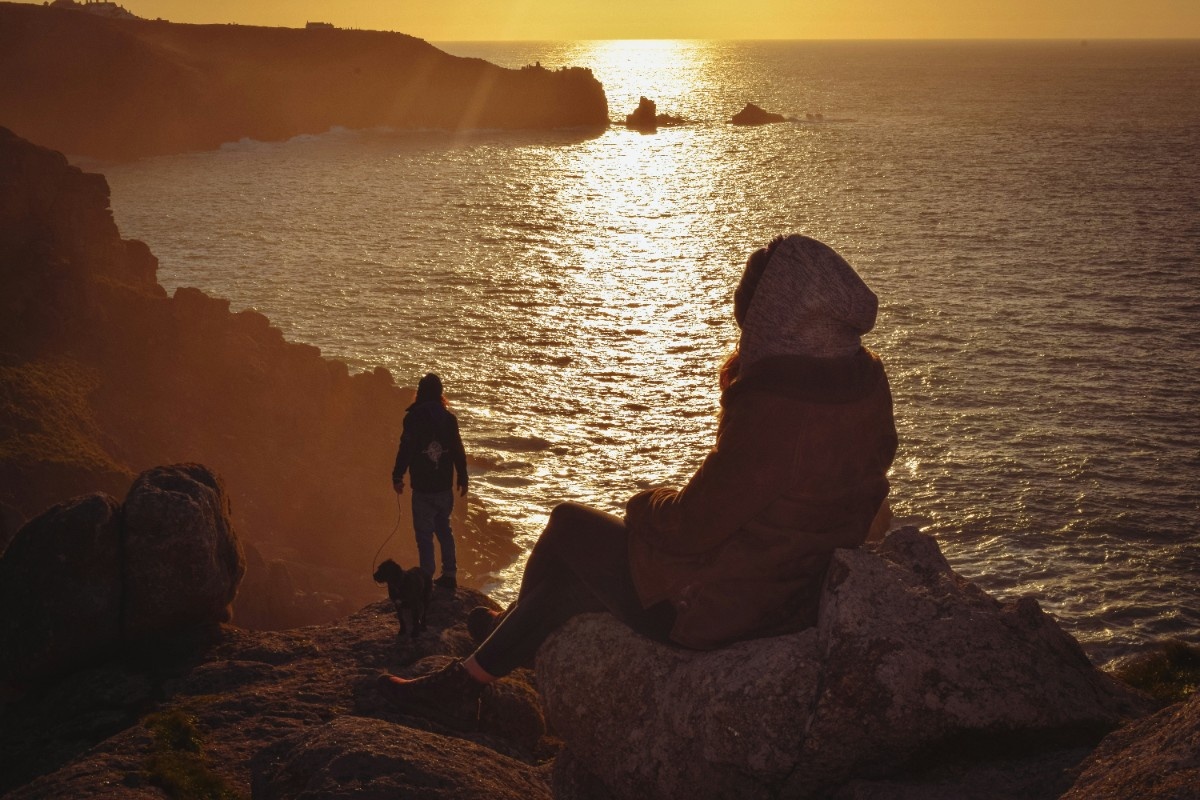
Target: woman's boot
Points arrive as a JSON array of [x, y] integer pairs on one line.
[[450, 695]]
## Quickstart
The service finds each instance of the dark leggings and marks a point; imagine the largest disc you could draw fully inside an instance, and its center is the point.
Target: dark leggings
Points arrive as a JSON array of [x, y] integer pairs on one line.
[[579, 564]]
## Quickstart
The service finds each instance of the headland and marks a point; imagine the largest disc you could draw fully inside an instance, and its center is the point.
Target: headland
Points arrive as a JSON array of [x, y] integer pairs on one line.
[[117, 88]]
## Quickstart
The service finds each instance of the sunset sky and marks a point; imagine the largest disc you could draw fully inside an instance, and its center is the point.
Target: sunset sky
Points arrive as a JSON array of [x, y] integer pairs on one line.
[[449, 20]]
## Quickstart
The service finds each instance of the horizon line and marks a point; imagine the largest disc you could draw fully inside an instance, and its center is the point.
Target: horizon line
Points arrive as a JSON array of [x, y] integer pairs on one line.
[[820, 39]]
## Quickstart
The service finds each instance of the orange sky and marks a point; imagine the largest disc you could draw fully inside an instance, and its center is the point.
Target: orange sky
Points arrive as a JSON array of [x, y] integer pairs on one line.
[[449, 20]]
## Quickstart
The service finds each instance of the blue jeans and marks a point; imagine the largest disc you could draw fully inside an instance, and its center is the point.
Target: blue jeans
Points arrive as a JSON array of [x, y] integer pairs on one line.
[[431, 515]]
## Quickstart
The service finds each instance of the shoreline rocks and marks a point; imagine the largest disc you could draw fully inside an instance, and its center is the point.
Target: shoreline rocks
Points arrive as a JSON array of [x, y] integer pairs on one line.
[[1157, 758]]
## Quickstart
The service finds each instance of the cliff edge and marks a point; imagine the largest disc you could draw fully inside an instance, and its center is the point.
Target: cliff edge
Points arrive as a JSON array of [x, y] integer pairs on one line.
[[915, 684], [102, 376], [125, 88]]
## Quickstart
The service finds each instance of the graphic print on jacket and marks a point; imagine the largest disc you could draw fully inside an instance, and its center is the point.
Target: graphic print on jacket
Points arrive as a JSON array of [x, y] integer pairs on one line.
[[431, 448]]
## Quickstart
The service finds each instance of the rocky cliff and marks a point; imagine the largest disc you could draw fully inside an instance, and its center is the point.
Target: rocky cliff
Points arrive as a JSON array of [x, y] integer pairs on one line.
[[914, 685], [116, 88], [102, 375]]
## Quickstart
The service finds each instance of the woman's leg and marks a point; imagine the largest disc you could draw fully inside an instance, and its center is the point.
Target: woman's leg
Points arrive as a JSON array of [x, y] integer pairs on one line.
[[580, 564], [569, 524], [530, 620]]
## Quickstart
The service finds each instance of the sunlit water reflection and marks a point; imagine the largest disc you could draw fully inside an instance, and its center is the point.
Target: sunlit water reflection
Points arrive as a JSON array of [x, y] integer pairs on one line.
[[1028, 214]]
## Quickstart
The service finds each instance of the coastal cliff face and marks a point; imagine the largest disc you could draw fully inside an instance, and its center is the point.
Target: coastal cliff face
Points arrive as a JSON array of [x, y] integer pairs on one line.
[[102, 375], [108, 88]]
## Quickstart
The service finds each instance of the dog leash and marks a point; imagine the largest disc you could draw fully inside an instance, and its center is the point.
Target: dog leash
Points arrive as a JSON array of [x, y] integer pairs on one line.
[[396, 527]]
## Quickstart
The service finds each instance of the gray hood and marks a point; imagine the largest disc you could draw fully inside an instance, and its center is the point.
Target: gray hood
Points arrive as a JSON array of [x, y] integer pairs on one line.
[[809, 302]]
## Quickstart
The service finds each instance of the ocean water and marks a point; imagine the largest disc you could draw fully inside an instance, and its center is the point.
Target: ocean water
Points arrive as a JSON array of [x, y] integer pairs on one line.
[[1028, 213]]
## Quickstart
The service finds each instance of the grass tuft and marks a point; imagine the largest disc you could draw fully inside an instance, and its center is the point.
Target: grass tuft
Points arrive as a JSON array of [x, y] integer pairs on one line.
[[178, 765]]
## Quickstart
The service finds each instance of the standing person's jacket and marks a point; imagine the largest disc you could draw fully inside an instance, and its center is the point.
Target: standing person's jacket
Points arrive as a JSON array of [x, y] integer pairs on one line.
[[799, 467], [431, 449]]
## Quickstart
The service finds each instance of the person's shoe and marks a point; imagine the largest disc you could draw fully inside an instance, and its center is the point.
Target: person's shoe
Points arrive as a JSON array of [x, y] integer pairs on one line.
[[481, 622], [447, 581], [449, 696]]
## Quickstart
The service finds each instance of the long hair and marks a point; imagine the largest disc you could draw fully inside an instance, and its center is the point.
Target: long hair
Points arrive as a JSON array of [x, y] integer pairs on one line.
[[731, 368], [430, 388]]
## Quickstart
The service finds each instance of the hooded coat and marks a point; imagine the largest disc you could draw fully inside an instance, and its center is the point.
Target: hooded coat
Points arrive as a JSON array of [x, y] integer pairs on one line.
[[799, 467]]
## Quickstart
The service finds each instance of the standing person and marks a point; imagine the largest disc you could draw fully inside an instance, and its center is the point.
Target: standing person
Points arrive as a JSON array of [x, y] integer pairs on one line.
[[799, 468], [431, 451]]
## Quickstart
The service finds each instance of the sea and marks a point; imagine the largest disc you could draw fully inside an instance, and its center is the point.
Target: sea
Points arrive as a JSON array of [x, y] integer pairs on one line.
[[1027, 212]]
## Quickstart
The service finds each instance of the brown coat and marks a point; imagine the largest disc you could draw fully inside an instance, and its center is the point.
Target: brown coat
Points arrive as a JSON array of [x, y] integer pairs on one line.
[[799, 469]]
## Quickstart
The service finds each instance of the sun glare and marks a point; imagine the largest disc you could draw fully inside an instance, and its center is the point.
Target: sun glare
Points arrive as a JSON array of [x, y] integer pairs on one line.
[[654, 68]]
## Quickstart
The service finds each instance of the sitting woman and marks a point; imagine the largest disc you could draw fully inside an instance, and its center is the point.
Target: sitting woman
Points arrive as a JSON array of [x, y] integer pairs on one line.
[[799, 468]]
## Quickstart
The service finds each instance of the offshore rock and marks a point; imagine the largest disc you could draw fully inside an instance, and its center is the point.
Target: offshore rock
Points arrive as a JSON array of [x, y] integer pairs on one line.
[[907, 660], [353, 757], [1157, 758], [119, 89], [753, 115], [183, 562], [643, 117], [646, 118], [60, 588]]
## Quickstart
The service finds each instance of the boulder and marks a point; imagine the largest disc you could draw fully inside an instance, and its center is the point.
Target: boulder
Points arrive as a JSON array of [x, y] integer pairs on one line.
[[907, 660], [1157, 758], [753, 115], [11, 521], [643, 117], [60, 588], [354, 757], [89, 574], [183, 562], [646, 118], [657, 721]]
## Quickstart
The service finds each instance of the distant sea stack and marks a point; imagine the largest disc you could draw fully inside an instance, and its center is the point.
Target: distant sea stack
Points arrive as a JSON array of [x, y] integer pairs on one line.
[[646, 117], [754, 115], [103, 375], [124, 88]]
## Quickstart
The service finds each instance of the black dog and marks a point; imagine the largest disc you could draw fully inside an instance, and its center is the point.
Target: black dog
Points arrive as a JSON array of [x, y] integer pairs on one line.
[[409, 589]]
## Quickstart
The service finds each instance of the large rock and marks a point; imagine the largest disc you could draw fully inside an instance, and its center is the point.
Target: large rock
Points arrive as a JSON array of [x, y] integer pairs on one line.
[[908, 659], [754, 115], [60, 588], [183, 562], [354, 757], [645, 117], [657, 721], [88, 574], [1157, 758]]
